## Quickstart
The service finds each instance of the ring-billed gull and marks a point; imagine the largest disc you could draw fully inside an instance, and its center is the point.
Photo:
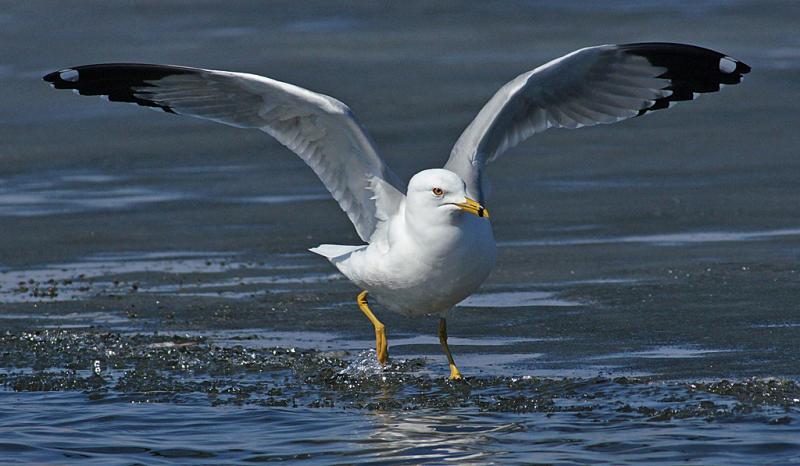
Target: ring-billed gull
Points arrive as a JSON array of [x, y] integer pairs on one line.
[[428, 245]]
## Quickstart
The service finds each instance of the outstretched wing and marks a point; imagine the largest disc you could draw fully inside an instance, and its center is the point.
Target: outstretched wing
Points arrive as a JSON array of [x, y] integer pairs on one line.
[[320, 129], [590, 86]]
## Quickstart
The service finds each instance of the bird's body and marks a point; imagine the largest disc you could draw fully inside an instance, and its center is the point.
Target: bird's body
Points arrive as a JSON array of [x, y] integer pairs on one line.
[[430, 245], [420, 265]]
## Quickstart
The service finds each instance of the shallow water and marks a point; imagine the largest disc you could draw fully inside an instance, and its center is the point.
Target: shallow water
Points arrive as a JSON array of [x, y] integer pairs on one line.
[[210, 399], [158, 305]]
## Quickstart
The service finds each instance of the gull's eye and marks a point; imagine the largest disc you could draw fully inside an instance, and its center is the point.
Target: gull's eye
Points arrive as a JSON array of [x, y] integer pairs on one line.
[[438, 192]]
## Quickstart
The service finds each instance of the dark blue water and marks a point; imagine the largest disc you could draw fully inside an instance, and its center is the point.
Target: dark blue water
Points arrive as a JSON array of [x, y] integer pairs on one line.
[[163, 434], [157, 304]]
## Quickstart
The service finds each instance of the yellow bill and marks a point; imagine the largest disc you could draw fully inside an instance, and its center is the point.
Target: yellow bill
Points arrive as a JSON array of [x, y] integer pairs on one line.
[[474, 208]]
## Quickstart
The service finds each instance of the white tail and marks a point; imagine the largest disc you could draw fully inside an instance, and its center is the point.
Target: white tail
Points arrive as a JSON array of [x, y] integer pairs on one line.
[[334, 251]]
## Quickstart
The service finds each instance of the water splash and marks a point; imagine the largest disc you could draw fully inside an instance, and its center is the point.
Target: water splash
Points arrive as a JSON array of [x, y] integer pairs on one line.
[[365, 364]]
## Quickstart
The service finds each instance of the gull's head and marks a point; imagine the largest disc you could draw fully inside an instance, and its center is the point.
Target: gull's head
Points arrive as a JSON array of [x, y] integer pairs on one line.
[[440, 194]]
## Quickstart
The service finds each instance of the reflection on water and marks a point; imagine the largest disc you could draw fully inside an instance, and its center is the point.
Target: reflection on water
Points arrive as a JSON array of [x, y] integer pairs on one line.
[[71, 192], [515, 299], [65, 201], [664, 352], [429, 437], [664, 239], [286, 198]]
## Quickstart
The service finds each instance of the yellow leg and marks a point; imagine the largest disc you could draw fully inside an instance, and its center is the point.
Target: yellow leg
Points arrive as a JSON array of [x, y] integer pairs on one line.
[[381, 346], [454, 373]]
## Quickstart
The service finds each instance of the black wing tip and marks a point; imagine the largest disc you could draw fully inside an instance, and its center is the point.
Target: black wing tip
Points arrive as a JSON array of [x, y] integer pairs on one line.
[[52, 77], [66, 78], [669, 54], [131, 72], [690, 69], [119, 82], [741, 67]]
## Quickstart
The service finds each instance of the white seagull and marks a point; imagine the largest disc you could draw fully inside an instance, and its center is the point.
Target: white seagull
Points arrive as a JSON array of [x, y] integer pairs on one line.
[[430, 245]]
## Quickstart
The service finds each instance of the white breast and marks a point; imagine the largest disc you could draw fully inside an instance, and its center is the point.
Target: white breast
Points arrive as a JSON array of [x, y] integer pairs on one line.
[[427, 275]]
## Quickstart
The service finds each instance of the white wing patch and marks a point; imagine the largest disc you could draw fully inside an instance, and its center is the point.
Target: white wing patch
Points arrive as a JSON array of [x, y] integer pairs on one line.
[[726, 65], [69, 75]]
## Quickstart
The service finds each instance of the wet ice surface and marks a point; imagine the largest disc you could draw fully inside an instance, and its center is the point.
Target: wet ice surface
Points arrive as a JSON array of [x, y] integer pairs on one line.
[[277, 341], [515, 299], [158, 305], [71, 191], [671, 239]]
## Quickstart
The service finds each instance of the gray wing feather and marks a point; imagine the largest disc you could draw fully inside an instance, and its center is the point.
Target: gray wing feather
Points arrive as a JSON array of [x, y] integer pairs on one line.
[[591, 86], [319, 129]]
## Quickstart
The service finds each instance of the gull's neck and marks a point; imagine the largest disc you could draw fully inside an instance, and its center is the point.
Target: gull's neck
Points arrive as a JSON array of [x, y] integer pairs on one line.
[[432, 228]]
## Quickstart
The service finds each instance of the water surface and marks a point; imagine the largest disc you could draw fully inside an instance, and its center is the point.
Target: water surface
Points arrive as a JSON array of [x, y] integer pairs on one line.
[[158, 305]]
